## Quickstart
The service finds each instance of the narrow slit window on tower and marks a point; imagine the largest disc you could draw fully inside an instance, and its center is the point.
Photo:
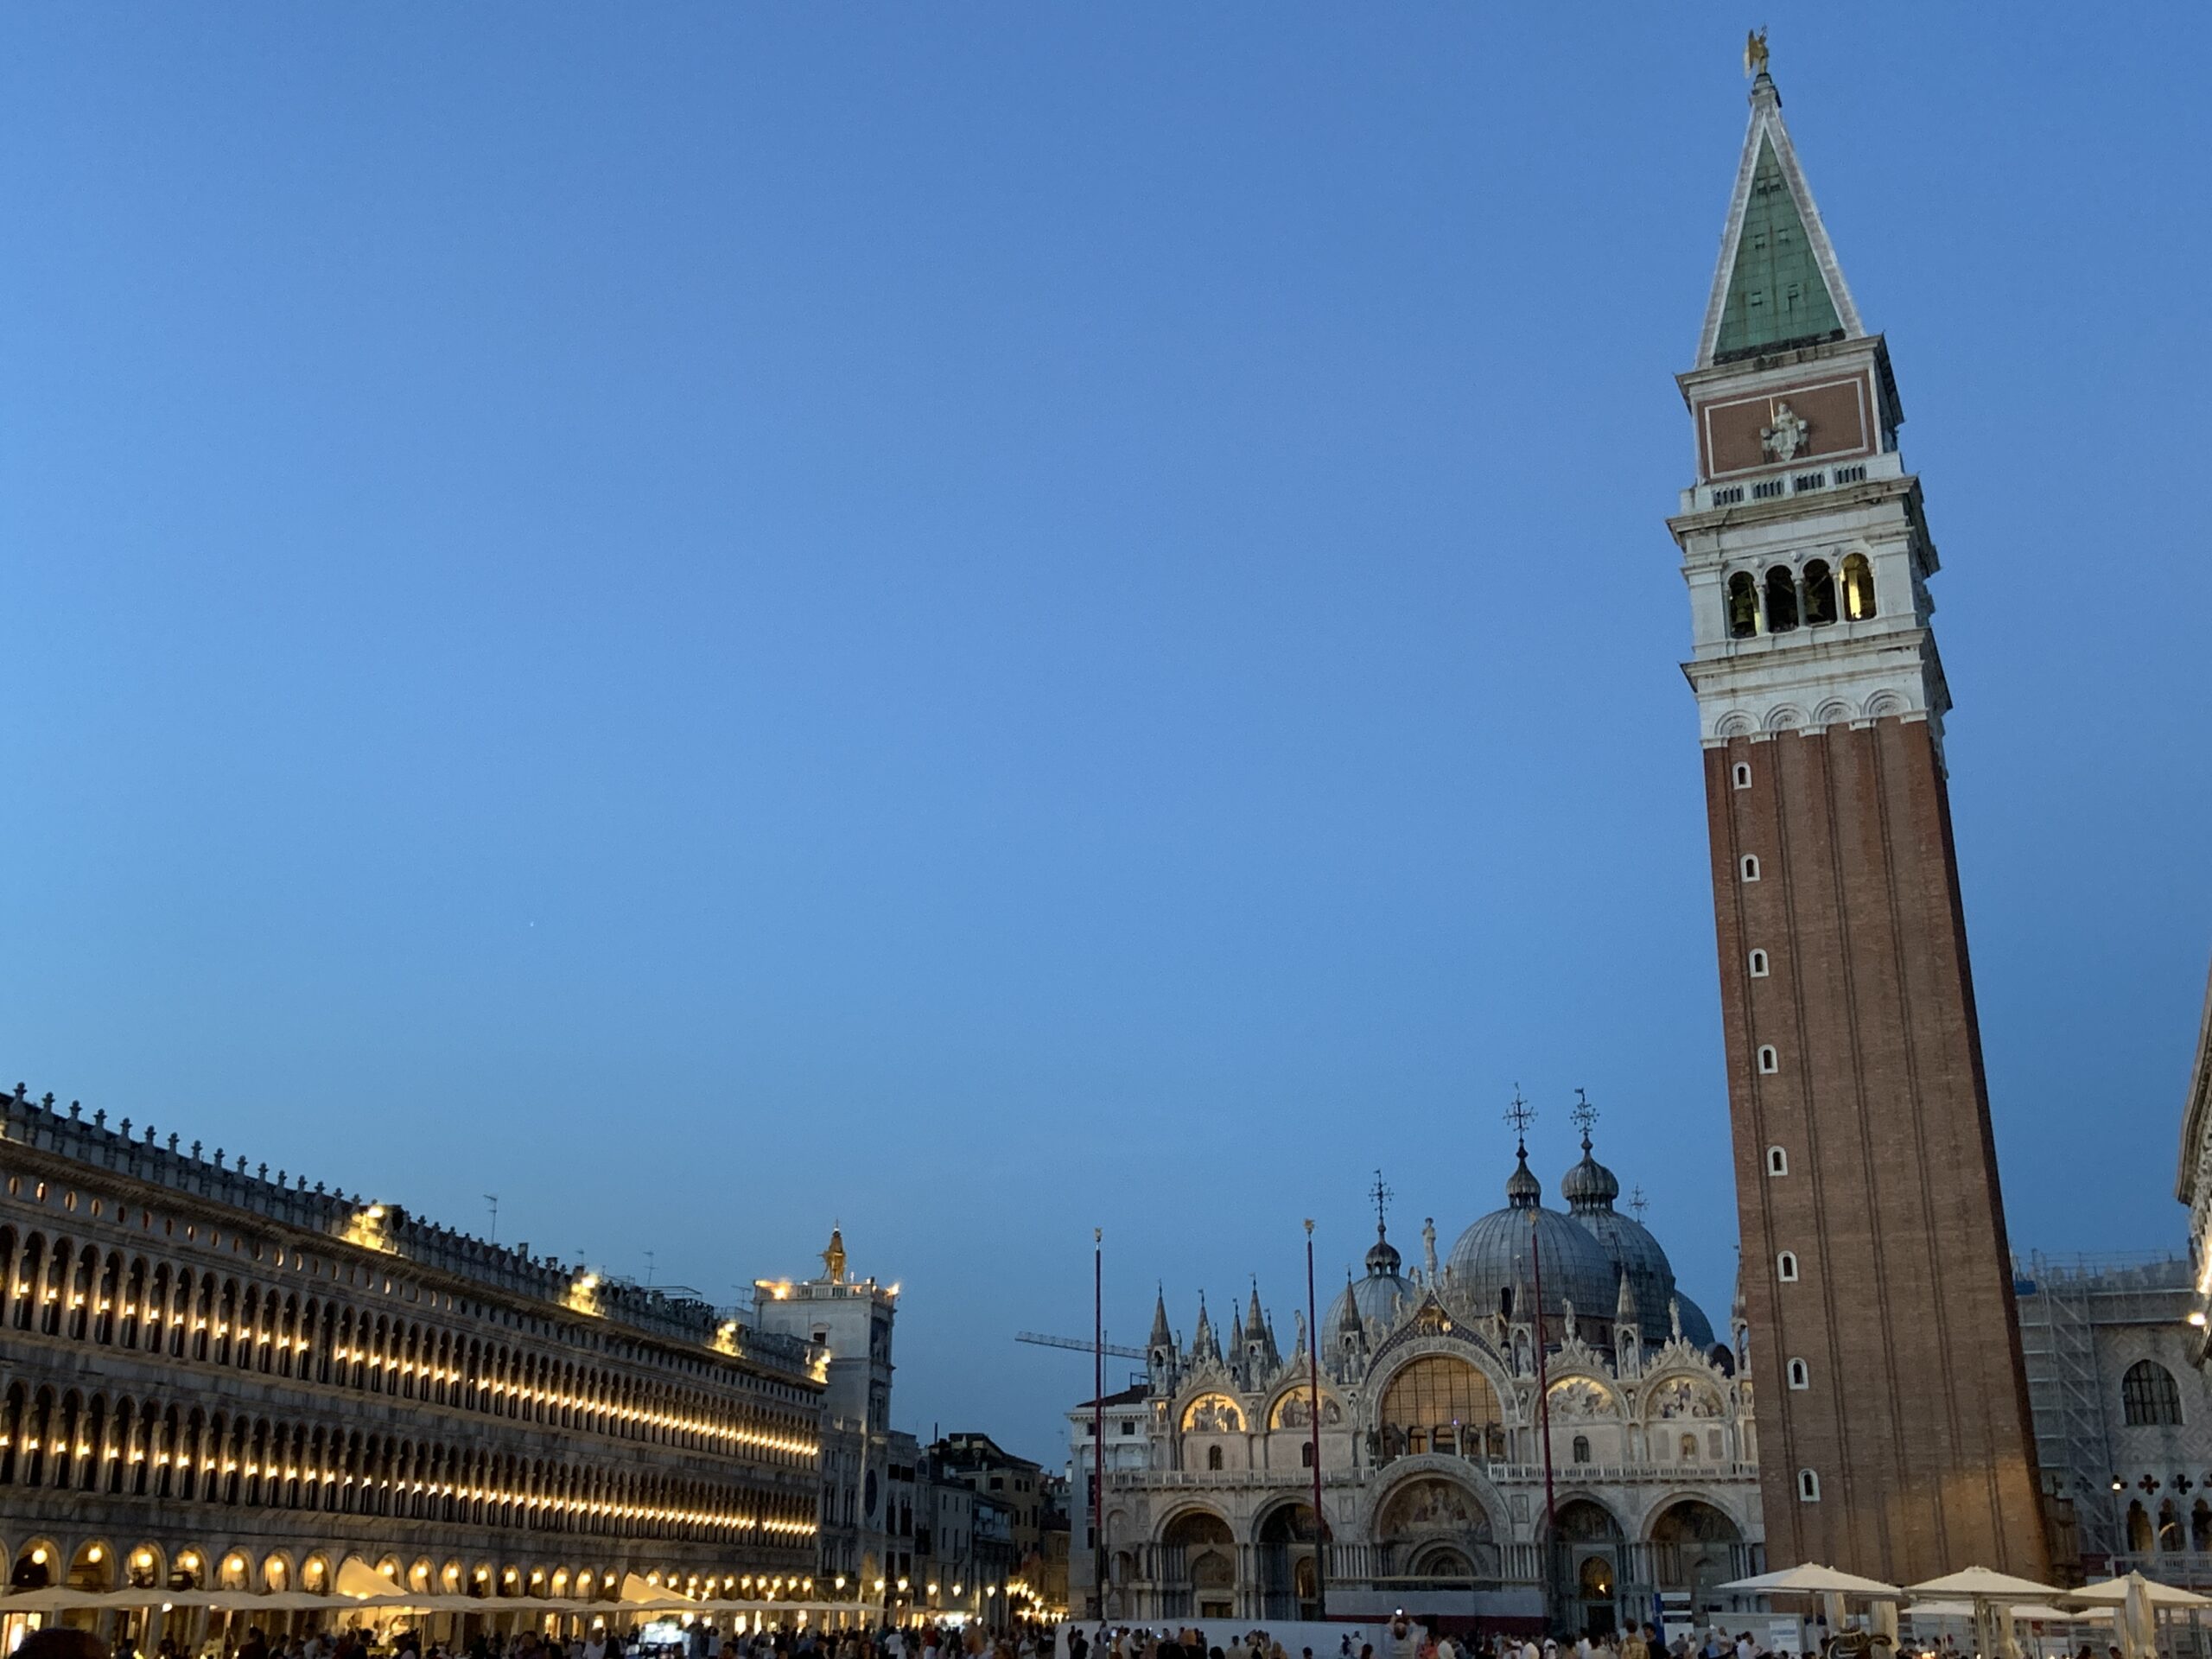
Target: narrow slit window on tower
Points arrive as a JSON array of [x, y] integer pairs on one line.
[[1800, 1375], [1820, 593], [1777, 1161], [1743, 605], [1758, 964], [1740, 775], [1769, 1062], [1808, 1486], [1857, 588], [1750, 867], [1785, 1267], [1781, 600]]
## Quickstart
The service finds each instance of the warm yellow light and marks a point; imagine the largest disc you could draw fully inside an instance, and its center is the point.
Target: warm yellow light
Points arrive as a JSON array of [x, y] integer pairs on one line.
[[143, 1558], [94, 1553], [38, 1556]]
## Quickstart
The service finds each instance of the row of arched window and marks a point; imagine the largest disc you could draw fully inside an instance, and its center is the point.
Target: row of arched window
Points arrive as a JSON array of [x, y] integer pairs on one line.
[[1785, 598], [2172, 1532], [84, 1295], [66, 1441]]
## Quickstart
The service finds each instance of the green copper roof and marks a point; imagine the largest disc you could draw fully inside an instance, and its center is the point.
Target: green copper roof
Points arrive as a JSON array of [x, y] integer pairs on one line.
[[1775, 293]]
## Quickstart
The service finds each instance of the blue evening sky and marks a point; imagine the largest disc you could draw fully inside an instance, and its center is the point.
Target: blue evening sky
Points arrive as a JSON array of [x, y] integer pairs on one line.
[[987, 619]]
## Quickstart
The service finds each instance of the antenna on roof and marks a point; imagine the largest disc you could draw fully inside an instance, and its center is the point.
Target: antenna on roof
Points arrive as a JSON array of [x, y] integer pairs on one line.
[[492, 1199]]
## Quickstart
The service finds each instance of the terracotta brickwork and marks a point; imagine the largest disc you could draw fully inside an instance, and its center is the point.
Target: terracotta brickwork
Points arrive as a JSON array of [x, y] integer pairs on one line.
[[1911, 1411]]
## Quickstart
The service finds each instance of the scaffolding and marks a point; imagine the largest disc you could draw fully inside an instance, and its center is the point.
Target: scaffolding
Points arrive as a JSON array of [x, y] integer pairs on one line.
[[2062, 1302]]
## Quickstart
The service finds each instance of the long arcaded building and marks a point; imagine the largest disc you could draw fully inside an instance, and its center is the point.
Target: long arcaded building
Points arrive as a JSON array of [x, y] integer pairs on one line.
[[220, 1378]]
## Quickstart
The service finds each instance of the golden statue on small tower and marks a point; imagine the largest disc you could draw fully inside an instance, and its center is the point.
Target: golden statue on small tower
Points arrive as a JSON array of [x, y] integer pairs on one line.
[[1755, 53], [833, 1259]]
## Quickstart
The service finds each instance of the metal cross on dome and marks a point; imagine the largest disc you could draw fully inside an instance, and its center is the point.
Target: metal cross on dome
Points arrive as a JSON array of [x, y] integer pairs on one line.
[[1638, 1202], [1520, 1115], [1381, 1194], [1584, 1115]]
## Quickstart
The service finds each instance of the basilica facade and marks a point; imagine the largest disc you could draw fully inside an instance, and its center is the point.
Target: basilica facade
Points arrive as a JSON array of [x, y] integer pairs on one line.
[[1483, 1450]]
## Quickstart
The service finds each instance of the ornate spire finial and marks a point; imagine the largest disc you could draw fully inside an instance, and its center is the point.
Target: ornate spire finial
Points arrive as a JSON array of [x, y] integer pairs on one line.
[[1585, 1117], [1638, 1202], [1520, 1115], [1755, 53], [1381, 1194]]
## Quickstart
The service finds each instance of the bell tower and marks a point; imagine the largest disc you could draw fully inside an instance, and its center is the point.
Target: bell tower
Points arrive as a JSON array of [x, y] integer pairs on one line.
[[1894, 1436]]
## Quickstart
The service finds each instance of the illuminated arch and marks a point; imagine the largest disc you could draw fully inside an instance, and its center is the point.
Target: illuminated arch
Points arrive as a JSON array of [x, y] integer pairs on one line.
[[1441, 1403], [1213, 1414]]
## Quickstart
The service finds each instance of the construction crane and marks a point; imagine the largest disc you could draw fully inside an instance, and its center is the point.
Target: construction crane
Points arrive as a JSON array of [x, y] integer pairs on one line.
[[1079, 1345]]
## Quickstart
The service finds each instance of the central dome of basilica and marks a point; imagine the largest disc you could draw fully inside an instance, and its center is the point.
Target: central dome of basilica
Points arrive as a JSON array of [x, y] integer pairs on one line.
[[1500, 1254]]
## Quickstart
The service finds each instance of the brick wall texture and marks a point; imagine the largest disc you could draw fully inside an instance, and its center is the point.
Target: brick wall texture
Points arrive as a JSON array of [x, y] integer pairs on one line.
[[1915, 1416]]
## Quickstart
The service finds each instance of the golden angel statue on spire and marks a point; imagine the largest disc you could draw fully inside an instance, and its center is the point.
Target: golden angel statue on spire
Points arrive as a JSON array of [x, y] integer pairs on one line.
[[1755, 53]]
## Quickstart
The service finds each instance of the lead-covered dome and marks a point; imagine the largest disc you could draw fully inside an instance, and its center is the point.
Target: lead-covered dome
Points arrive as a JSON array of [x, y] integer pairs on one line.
[[1378, 1296], [1500, 1253], [1590, 1189]]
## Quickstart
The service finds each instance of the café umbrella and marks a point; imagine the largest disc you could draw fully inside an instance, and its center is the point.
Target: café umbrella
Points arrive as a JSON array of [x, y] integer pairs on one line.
[[1992, 1594], [1832, 1585]]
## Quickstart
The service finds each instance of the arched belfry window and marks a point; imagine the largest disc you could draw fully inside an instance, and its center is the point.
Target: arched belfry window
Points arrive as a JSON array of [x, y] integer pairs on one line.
[[1820, 593], [1785, 1267], [1857, 588], [1781, 600], [2149, 1397], [1743, 605]]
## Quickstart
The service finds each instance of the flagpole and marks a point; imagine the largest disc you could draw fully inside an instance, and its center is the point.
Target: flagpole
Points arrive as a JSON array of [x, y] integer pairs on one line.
[[1099, 1418], [1313, 1377]]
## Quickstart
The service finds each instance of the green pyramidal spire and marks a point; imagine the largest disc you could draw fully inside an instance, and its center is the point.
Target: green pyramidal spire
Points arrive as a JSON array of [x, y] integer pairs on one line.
[[1776, 292], [1778, 283]]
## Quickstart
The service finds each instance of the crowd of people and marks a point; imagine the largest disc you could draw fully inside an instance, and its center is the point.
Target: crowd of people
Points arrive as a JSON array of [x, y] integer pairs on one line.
[[701, 1639], [1406, 1639]]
